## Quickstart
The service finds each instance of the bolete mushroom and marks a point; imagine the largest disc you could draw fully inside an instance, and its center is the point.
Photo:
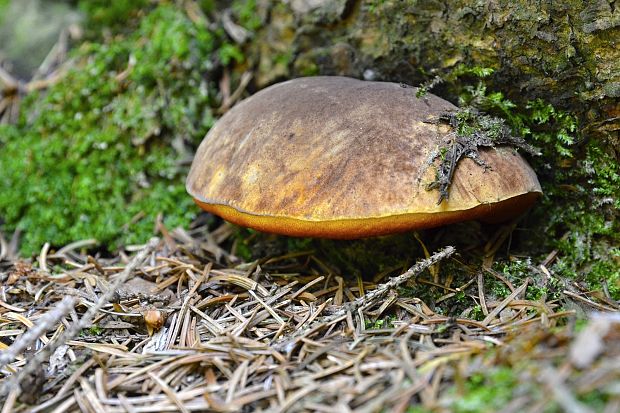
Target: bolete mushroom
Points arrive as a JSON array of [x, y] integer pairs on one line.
[[336, 157]]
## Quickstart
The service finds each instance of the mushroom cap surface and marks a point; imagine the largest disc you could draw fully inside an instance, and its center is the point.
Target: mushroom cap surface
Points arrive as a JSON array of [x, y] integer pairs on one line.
[[337, 157]]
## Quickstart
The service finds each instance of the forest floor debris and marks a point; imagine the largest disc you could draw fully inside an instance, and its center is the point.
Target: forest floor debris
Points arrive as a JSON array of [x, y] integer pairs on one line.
[[279, 335]]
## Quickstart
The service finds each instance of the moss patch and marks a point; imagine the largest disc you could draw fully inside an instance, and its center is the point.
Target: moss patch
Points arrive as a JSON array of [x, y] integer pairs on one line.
[[105, 150], [580, 179]]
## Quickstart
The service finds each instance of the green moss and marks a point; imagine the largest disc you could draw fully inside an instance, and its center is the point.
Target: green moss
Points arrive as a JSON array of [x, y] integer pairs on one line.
[[517, 271], [311, 69], [477, 313], [487, 392], [579, 217], [578, 213], [104, 151], [91, 331], [386, 322], [306, 65], [283, 59], [374, 6], [111, 15], [246, 13], [516, 370], [230, 53], [597, 400], [418, 409]]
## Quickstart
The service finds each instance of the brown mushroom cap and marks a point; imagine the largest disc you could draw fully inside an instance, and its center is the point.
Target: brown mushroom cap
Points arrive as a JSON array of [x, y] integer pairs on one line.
[[336, 157]]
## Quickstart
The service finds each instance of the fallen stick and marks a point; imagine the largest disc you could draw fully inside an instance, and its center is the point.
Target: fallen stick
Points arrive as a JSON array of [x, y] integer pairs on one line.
[[43, 324], [371, 297]]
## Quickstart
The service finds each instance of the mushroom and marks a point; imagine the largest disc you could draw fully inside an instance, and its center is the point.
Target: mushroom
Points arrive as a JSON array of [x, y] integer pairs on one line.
[[341, 158]]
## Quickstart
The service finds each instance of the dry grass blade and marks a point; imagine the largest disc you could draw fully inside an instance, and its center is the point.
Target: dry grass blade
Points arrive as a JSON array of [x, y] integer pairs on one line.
[[267, 307], [241, 281]]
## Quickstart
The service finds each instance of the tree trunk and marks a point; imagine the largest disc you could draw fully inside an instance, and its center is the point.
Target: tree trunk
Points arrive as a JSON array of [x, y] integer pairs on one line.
[[566, 52]]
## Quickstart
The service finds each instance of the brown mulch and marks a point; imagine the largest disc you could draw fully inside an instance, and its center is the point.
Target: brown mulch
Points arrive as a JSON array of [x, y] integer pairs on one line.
[[185, 325]]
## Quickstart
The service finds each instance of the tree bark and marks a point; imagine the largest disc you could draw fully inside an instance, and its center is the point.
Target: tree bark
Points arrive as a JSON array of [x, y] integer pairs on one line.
[[566, 52]]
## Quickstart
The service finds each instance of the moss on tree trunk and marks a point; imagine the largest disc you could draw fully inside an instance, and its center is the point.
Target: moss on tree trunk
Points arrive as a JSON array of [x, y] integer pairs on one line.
[[566, 52]]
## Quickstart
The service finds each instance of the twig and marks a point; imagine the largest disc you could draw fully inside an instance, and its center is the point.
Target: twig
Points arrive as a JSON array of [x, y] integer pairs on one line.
[[371, 297], [588, 302], [9, 82], [229, 101], [238, 33], [84, 322], [483, 303], [43, 324], [4, 248], [76, 245], [43, 257], [14, 243]]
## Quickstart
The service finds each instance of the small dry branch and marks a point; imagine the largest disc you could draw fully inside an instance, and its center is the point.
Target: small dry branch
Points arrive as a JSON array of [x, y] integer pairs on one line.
[[371, 297], [45, 323]]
